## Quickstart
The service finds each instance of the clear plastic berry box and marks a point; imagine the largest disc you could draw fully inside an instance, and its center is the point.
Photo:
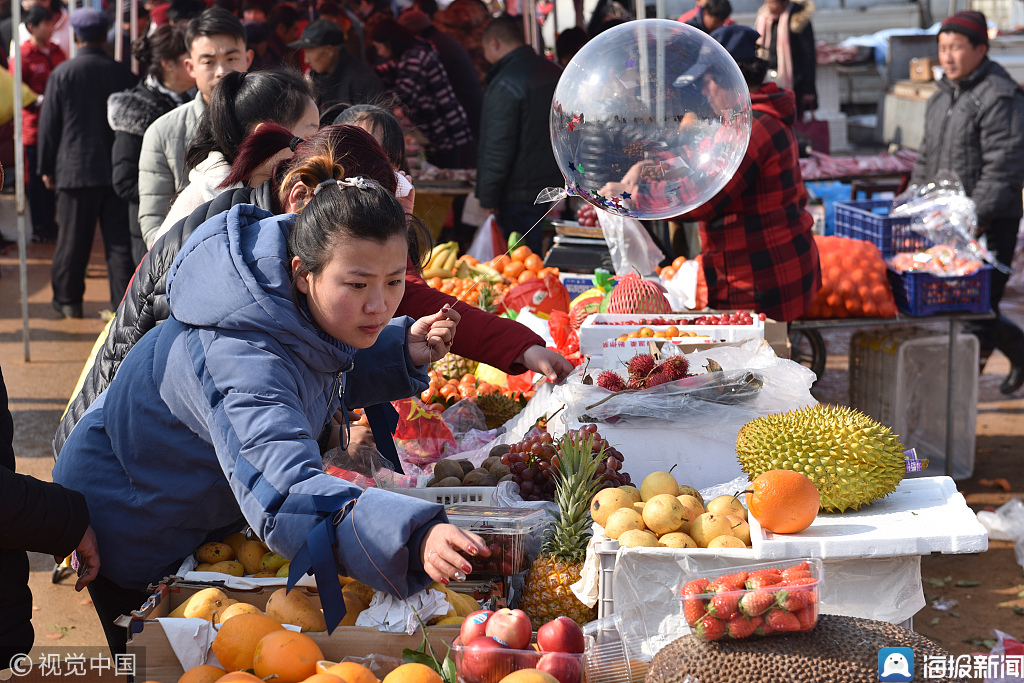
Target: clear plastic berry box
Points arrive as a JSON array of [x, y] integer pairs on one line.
[[504, 530], [752, 600], [490, 666], [602, 327]]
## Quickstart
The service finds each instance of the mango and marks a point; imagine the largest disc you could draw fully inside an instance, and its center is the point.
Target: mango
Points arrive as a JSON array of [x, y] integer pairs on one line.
[[250, 554], [214, 552], [293, 607]]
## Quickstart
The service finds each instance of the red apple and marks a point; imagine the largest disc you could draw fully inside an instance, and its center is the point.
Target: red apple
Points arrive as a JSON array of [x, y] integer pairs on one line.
[[561, 635], [511, 626], [473, 626], [484, 660], [566, 668]]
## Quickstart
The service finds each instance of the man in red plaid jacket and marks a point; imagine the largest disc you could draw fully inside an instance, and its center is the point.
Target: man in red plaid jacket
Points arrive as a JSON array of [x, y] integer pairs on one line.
[[758, 249]]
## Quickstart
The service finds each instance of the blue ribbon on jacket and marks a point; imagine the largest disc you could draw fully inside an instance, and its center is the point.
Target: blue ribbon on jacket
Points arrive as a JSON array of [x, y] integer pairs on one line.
[[318, 555], [383, 419]]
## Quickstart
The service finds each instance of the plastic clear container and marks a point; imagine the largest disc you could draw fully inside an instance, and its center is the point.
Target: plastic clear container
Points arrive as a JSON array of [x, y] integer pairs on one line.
[[622, 650], [490, 666], [753, 600], [503, 529]]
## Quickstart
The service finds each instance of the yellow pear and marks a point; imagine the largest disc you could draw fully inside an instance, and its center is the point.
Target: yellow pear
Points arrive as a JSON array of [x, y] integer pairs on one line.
[[726, 541], [690, 491], [215, 552], [639, 507], [663, 514], [709, 526], [692, 503], [205, 603], [228, 567], [727, 505], [677, 539], [250, 554], [657, 483], [235, 541], [689, 514], [634, 538], [606, 502], [239, 608], [633, 493], [740, 529], [293, 607], [273, 561], [623, 520]]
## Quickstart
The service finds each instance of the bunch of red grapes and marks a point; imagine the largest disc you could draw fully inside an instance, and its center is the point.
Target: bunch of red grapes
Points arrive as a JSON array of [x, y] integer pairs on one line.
[[586, 216], [534, 459]]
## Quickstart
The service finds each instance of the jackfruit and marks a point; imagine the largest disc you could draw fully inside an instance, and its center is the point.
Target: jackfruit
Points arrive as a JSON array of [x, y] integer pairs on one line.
[[851, 459]]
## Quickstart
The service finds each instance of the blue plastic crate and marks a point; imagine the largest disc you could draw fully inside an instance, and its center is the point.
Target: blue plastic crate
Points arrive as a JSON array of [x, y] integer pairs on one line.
[[919, 293], [870, 221]]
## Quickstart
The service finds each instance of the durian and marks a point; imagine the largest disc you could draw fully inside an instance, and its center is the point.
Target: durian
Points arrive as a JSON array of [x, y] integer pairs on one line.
[[851, 459], [497, 409]]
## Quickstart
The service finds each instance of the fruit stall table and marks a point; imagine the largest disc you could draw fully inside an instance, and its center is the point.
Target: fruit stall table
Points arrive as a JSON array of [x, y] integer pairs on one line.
[[871, 556], [808, 348]]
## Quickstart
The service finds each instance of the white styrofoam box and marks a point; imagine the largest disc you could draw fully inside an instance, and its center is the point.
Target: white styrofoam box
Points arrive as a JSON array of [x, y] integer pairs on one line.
[[615, 354], [452, 495], [599, 328], [922, 516], [826, 82], [898, 377]]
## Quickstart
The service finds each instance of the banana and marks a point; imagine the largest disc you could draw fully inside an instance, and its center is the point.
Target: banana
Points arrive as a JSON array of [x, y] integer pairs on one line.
[[436, 272], [492, 275], [453, 256], [438, 255]]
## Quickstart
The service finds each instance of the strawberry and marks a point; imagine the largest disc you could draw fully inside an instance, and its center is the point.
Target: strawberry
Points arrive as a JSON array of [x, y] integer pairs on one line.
[[710, 628], [791, 601], [694, 609], [756, 602], [695, 587], [788, 576], [802, 567], [741, 627], [807, 618], [801, 581], [725, 605], [762, 580], [782, 621], [734, 580], [764, 628]]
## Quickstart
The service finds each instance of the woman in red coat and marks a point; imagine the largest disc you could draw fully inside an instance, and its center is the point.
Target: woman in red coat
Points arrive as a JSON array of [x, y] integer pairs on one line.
[[756, 240]]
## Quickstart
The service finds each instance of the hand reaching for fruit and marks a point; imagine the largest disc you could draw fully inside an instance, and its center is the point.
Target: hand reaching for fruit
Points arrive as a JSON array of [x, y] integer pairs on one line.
[[440, 552]]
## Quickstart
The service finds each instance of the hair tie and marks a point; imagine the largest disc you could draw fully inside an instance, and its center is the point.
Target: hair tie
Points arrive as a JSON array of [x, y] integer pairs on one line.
[[296, 141], [357, 182]]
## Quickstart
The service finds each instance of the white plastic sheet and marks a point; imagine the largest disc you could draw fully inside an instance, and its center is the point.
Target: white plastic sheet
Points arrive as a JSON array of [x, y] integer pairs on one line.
[[630, 245]]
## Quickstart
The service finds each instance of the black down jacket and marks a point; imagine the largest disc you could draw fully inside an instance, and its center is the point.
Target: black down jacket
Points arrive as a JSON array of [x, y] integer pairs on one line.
[[145, 304], [976, 129]]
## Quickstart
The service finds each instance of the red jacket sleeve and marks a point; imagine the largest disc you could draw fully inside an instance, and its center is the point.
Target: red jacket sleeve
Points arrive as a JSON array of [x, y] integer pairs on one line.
[[481, 336]]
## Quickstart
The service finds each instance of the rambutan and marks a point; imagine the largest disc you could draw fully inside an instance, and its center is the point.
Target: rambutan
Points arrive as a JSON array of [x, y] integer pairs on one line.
[[657, 378], [641, 365], [611, 381], [636, 383], [676, 367]]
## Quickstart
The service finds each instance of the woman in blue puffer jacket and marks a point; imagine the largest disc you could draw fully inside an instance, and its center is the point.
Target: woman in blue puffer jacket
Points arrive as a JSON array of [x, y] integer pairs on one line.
[[211, 422]]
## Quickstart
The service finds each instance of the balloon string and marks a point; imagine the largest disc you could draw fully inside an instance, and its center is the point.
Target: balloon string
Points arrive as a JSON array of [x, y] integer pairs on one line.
[[516, 245]]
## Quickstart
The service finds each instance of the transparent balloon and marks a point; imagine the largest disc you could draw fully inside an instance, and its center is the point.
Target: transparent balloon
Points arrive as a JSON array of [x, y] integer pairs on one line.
[[650, 119]]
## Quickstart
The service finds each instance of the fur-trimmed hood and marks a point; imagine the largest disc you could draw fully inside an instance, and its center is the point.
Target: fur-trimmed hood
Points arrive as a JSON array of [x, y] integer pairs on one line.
[[799, 17], [133, 111]]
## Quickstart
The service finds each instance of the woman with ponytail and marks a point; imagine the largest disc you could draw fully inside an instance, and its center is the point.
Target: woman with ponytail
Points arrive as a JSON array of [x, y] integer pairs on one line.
[[131, 112], [239, 105], [217, 418]]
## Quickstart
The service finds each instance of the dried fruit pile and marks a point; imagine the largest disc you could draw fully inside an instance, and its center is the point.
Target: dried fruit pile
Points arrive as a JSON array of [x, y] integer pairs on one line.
[[757, 603], [645, 372]]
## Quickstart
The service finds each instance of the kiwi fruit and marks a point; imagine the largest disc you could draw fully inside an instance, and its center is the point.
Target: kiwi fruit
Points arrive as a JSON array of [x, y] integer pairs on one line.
[[446, 469], [449, 481]]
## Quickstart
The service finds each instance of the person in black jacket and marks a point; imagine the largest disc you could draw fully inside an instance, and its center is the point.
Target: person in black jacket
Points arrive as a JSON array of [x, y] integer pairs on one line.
[[337, 77], [787, 34], [35, 516], [515, 161], [712, 16], [131, 112], [75, 142]]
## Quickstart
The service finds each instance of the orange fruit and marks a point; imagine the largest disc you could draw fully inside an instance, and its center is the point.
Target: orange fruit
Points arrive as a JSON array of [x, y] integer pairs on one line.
[[499, 262], [533, 262], [783, 501], [671, 331], [292, 656], [351, 672], [513, 270], [527, 275], [468, 378], [237, 638], [239, 677], [413, 673], [204, 673], [678, 262], [435, 282], [324, 678], [520, 253], [668, 272]]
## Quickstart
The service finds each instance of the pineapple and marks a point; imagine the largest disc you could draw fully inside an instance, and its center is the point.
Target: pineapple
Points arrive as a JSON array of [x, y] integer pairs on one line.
[[487, 299], [546, 593], [454, 367]]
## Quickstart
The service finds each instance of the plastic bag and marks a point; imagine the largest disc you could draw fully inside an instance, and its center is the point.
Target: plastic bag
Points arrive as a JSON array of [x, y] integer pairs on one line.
[[464, 416], [567, 339], [488, 242], [1006, 523], [681, 288], [630, 245], [364, 466], [540, 296], [999, 658], [854, 282], [422, 434], [380, 665]]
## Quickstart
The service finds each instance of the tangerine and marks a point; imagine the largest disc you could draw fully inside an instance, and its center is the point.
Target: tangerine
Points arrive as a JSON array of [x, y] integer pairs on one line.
[[413, 673], [678, 262], [783, 501], [513, 270], [237, 638], [499, 262], [351, 672], [521, 253], [667, 273], [527, 275], [435, 282], [534, 263], [239, 677], [204, 673], [290, 655], [324, 678]]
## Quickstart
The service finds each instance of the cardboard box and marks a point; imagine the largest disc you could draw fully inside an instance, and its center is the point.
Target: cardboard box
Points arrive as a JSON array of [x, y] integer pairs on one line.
[[921, 69], [146, 637]]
